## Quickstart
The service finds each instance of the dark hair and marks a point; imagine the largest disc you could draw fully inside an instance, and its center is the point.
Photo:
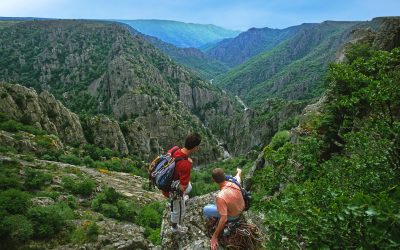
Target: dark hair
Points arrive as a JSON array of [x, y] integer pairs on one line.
[[192, 141], [218, 175]]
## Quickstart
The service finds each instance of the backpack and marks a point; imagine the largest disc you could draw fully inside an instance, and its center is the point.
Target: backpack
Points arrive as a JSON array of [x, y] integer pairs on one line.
[[162, 168], [246, 194]]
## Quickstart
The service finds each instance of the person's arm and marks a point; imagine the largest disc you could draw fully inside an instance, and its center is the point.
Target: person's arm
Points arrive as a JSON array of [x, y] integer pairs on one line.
[[184, 174], [221, 224], [238, 175]]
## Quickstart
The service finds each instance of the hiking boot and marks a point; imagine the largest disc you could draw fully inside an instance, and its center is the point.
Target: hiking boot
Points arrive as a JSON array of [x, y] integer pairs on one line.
[[179, 229]]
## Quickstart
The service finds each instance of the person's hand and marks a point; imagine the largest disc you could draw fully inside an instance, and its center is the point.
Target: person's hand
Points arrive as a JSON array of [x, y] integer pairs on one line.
[[214, 243], [239, 171]]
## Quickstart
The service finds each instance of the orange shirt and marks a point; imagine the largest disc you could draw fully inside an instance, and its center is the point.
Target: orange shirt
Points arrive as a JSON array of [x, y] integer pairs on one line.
[[230, 200]]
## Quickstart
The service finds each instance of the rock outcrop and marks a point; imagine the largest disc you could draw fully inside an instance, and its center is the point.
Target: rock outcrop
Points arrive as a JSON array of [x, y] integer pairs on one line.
[[105, 132], [196, 238], [43, 111]]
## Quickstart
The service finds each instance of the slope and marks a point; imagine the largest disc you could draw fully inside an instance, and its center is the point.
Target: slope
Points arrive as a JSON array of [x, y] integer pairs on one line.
[[181, 34]]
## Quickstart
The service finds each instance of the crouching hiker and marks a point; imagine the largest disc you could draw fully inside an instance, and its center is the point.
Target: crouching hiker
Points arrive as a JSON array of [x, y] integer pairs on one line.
[[171, 174], [229, 202]]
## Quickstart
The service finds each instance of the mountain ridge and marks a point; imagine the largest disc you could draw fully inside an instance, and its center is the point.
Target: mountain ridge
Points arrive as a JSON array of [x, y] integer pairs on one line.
[[180, 34]]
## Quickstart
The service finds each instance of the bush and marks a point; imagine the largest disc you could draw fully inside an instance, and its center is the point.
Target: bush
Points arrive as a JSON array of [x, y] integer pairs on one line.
[[8, 178], [89, 162], [150, 217], [87, 232], [70, 159], [154, 235], [36, 179], [279, 139], [127, 210], [84, 186], [14, 201], [110, 210], [49, 220], [17, 227], [93, 231], [112, 204], [48, 157], [14, 126]]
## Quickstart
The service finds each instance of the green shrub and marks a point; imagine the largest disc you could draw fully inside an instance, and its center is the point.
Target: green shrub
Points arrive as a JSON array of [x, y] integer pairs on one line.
[[84, 186], [148, 216], [9, 178], [110, 210], [279, 139], [29, 158], [71, 201], [70, 159], [14, 201], [93, 231], [14, 126], [89, 162], [36, 179], [6, 149], [154, 235], [48, 221], [127, 210], [112, 204], [86, 232], [17, 227]]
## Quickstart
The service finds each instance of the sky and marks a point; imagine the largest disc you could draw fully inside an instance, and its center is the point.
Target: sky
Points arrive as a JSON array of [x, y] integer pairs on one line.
[[232, 14]]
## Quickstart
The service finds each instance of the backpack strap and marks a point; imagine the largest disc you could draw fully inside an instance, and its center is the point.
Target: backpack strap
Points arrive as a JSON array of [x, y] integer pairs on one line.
[[174, 149], [233, 180]]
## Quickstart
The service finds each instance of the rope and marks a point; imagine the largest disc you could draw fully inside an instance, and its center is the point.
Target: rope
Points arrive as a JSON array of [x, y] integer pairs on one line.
[[242, 236]]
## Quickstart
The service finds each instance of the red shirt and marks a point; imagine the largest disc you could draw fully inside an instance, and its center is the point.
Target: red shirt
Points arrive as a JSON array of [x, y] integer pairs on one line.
[[182, 168]]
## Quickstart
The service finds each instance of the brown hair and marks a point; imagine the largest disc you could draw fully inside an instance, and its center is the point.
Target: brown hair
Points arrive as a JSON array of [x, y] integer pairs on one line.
[[218, 175], [192, 141]]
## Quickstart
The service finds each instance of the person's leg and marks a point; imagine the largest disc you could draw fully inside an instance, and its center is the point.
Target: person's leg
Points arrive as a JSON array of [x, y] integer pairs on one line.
[[175, 212], [210, 210]]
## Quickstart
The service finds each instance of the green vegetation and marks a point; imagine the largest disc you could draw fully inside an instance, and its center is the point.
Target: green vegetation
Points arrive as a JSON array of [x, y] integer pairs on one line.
[[292, 70], [202, 182], [113, 205], [82, 185], [49, 220], [338, 187], [36, 179], [20, 220]]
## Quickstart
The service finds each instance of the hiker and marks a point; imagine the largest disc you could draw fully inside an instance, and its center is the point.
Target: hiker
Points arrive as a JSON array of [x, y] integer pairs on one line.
[[229, 203], [181, 178]]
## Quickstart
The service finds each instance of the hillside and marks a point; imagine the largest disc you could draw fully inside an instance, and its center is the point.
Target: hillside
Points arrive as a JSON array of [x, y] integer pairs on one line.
[[192, 58], [337, 172], [237, 50], [101, 68], [293, 69], [181, 34]]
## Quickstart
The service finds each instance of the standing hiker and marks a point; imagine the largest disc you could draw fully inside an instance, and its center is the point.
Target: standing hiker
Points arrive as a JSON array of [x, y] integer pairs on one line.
[[229, 203], [181, 180]]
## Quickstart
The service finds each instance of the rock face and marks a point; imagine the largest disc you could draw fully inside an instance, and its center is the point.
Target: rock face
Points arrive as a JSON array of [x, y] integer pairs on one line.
[[106, 133], [111, 71], [196, 237], [42, 111]]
